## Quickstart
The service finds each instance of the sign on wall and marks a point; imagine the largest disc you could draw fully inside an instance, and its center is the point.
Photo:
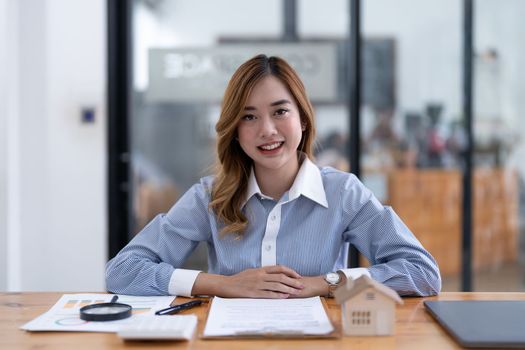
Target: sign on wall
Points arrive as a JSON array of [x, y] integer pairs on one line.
[[201, 74]]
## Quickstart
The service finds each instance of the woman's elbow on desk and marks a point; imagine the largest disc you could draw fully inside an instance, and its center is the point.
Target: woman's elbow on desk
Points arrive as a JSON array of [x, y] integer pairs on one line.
[[408, 278], [435, 284], [430, 274], [120, 279], [114, 283], [129, 286], [430, 282]]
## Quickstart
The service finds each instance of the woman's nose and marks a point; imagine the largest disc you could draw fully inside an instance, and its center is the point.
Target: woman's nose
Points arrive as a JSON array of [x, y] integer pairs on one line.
[[267, 127]]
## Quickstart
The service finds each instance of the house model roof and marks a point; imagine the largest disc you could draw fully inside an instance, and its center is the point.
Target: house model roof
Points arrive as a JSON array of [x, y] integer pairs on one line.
[[354, 287]]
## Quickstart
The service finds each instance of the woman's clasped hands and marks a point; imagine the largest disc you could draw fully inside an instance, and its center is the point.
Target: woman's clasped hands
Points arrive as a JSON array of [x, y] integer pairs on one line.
[[270, 282]]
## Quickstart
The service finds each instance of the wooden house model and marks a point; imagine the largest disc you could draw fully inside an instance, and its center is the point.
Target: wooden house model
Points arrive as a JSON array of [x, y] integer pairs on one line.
[[368, 307]]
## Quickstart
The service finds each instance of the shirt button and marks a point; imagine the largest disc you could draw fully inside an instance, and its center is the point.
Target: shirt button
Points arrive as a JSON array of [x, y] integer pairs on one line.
[[273, 217], [268, 248]]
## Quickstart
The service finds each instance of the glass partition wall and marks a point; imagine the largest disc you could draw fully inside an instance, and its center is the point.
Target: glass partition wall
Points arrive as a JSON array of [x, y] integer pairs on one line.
[[412, 135], [184, 53], [414, 144], [499, 151], [412, 128]]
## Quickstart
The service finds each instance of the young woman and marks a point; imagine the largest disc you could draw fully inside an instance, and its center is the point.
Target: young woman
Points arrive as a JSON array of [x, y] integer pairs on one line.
[[275, 224]]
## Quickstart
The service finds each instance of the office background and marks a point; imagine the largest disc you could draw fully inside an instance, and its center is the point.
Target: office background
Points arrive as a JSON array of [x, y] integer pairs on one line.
[[53, 155]]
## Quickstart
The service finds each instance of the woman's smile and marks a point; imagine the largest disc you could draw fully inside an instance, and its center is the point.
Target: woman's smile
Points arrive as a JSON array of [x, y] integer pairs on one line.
[[271, 148]]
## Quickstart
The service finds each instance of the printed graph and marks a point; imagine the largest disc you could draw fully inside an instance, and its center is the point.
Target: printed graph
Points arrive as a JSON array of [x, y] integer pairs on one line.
[[139, 306], [73, 303]]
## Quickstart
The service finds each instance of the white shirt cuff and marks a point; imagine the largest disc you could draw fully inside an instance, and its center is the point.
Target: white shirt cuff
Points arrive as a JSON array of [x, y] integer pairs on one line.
[[356, 272], [181, 282]]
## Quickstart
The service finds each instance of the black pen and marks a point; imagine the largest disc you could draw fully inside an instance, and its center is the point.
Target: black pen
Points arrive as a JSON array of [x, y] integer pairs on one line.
[[177, 308]]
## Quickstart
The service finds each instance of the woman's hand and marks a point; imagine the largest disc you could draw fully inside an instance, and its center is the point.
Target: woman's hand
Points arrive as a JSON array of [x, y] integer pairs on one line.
[[313, 286], [272, 282], [317, 286]]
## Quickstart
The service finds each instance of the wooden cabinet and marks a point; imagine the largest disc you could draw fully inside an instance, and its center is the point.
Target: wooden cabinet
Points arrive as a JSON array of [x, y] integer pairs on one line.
[[429, 202], [496, 217]]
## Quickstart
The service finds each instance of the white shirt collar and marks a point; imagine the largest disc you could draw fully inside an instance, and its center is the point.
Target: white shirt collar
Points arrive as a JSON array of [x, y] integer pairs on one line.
[[308, 183]]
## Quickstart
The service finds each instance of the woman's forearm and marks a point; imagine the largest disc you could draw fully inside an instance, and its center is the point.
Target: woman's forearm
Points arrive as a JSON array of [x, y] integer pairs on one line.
[[209, 284]]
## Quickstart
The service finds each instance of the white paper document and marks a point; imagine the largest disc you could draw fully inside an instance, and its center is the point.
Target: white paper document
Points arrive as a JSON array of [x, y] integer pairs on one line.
[[253, 317], [65, 314]]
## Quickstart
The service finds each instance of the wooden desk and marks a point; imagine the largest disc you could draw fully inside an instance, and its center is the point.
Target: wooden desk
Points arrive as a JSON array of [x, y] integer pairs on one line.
[[415, 329]]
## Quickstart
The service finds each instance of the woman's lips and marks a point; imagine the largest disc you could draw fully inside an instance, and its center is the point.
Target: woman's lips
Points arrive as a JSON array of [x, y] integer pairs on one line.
[[270, 148]]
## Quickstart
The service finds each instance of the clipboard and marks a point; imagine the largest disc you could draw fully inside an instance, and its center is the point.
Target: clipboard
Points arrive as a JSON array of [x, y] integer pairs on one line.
[[336, 332]]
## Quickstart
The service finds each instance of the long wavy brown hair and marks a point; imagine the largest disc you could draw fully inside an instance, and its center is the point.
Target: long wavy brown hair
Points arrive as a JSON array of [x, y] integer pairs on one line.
[[233, 165]]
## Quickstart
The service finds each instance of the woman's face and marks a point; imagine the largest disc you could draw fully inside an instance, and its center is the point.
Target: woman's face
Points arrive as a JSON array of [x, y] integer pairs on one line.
[[270, 130]]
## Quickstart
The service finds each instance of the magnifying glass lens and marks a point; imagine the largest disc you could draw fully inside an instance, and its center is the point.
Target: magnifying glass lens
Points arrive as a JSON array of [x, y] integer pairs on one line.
[[105, 312]]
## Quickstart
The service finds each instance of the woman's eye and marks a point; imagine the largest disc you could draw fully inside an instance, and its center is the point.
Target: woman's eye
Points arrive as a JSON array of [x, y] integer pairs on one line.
[[281, 111], [248, 117]]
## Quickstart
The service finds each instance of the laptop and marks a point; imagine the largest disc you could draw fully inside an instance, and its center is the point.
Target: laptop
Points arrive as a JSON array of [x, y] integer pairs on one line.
[[477, 323]]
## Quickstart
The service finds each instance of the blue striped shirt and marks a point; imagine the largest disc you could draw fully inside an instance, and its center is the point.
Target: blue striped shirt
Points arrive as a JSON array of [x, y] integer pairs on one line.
[[307, 230]]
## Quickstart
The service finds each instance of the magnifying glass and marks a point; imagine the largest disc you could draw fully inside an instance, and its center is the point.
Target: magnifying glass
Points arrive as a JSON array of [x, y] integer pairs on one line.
[[111, 311]]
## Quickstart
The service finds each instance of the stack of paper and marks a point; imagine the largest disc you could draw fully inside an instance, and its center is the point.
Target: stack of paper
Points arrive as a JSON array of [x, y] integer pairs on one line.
[[65, 314], [267, 317]]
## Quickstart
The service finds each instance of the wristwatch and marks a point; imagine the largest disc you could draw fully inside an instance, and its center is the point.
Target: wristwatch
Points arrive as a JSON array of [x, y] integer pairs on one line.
[[333, 279]]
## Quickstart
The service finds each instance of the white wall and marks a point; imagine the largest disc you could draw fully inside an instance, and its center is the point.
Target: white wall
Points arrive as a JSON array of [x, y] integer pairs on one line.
[[29, 251], [57, 176], [4, 23], [77, 151]]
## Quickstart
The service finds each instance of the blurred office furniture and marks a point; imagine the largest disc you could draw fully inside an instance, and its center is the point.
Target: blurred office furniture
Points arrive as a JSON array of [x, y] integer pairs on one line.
[[429, 202], [151, 199]]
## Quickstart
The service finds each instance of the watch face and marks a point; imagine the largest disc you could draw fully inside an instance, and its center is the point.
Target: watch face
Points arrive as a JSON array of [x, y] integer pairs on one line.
[[332, 278]]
